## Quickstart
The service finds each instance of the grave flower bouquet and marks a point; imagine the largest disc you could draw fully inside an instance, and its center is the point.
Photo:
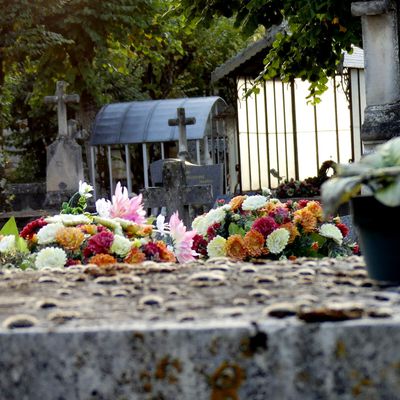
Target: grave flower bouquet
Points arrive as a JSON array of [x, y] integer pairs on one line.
[[118, 232], [257, 227]]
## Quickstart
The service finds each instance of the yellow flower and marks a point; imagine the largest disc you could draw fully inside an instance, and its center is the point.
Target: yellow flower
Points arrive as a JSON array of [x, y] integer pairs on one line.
[[306, 219], [315, 208], [236, 202], [70, 238]]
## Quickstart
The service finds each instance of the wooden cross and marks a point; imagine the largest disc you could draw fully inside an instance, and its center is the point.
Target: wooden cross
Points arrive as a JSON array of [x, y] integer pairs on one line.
[[175, 195], [61, 99], [181, 122]]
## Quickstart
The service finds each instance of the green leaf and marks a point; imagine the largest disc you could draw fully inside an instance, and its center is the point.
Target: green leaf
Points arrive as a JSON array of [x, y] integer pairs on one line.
[[389, 195], [337, 191], [235, 229], [10, 228]]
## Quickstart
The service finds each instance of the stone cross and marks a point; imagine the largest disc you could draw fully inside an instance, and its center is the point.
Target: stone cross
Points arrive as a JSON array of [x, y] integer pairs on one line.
[[61, 99], [64, 156], [380, 29], [175, 195], [181, 122]]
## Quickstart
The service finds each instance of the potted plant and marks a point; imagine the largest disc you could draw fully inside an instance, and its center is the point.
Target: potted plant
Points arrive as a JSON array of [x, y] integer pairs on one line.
[[372, 186]]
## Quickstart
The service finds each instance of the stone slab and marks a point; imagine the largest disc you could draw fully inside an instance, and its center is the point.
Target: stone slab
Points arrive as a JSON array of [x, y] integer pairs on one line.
[[214, 330]]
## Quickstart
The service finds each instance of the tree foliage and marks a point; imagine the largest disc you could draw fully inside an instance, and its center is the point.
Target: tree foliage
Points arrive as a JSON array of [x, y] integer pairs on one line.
[[309, 48], [118, 50]]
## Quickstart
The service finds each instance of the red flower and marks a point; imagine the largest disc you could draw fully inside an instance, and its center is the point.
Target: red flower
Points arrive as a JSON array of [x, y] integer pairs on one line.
[[71, 261], [99, 243], [33, 227], [199, 245], [356, 249], [212, 231], [264, 225], [343, 228], [302, 203]]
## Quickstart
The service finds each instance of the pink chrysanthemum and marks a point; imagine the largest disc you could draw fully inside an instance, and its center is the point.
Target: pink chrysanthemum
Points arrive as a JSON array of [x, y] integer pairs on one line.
[[264, 225], [122, 206], [182, 239], [99, 243]]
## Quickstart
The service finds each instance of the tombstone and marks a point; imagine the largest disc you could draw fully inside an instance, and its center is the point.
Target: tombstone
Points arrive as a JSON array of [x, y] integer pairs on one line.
[[380, 29], [64, 155], [176, 194], [181, 122], [212, 175]]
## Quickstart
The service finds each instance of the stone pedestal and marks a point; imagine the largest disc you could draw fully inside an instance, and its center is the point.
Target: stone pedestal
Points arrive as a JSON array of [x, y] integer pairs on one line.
[[380, 27], [206, 331]]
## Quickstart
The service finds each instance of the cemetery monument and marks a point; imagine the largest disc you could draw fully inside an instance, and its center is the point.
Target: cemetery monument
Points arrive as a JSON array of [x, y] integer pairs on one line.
[[64, 156]]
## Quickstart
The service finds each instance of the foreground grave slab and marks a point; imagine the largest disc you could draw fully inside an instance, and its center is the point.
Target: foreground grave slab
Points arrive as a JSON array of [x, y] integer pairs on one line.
[[207, 330]]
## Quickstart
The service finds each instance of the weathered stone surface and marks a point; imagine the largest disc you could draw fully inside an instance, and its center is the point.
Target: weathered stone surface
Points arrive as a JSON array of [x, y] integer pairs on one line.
[[159, 337]]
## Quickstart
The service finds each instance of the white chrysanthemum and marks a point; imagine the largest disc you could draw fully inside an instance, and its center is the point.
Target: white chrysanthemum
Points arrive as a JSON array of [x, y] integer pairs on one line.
[[68, 219], [85, 189], [277, 240], [332, 232], [226, 207], [214, 216], [121, 245], [103, 207], [199, 224], [47, 234], [254, 202], [217, 247], [7, 244], [51, 257]]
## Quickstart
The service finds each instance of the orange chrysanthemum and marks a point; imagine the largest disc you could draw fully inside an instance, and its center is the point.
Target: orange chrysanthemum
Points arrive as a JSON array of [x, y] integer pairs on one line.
[[254, 242], [236, 202], [270, 207], [165, 254], [315, 208], [89, 229], [294, 232], [70, 238], [134, 256], [235, 247], [102, 259], [306, 219]]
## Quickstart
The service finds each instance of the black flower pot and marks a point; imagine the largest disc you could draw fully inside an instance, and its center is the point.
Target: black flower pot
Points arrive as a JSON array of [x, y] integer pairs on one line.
[[379, 237]]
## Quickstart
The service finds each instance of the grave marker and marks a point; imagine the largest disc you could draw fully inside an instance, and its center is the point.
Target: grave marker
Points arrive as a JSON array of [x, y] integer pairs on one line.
[[176, 194], [64, 155], [181, 122], [195, 175]]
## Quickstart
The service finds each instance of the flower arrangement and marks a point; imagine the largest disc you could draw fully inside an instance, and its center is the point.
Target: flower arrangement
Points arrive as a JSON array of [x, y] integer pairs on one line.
[[251, 227], [118, 232], [308, 187]]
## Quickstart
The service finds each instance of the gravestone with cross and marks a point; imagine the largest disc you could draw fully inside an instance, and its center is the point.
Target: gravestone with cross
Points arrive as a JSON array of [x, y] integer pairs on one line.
[[175, 194], [380, 29], [64, 155], [181, 121]]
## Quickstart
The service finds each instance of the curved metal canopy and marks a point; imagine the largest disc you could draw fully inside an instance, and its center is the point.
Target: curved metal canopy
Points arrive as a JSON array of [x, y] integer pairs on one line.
[[147, 121]]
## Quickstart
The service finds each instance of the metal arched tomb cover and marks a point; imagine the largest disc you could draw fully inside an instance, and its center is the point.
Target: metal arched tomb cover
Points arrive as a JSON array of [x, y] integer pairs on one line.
[[147, 121]]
